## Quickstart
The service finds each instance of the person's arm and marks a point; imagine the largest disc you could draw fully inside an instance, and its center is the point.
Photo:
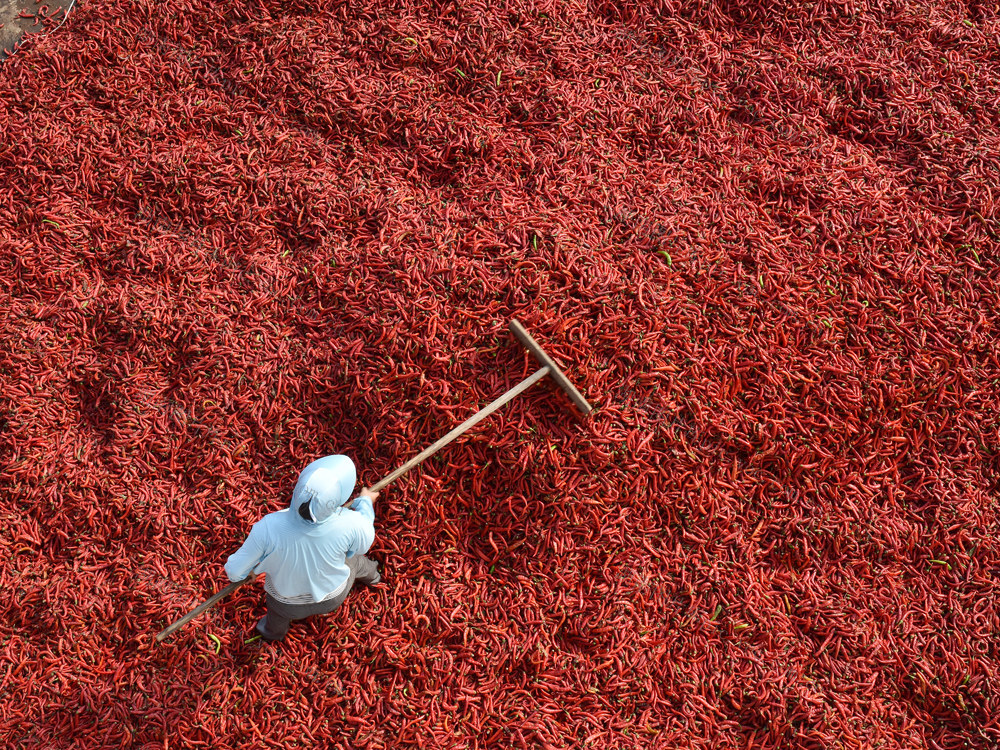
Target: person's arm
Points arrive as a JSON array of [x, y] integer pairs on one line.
[[242, 562], [364, 533], [364, 504]]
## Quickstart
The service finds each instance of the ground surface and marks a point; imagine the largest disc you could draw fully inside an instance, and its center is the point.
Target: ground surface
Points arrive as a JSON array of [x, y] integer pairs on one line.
[[761, 237], [21, 17]]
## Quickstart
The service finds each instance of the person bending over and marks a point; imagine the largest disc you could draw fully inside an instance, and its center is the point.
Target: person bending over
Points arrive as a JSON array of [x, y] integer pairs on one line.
[[313, 552]]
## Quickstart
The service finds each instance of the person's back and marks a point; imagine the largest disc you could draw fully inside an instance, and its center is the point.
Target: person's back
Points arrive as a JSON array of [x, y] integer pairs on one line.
[[312, 552]]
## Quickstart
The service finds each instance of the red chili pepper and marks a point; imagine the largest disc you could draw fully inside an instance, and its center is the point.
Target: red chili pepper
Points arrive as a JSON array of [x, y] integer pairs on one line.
[[762, 239]]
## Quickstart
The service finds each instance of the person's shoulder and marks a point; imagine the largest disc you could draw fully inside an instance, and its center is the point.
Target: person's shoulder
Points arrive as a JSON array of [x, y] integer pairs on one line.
[[359, 519], [343, 519], [276, 519]]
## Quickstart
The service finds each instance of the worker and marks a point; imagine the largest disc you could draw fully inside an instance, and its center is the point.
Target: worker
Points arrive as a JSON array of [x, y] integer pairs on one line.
[[312, 552]]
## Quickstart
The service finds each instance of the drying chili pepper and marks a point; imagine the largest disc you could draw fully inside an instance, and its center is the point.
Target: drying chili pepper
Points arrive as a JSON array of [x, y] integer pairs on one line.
[[762, 238]]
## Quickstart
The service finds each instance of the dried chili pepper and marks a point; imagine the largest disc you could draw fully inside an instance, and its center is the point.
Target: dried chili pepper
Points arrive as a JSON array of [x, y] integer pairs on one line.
[[762, 238]]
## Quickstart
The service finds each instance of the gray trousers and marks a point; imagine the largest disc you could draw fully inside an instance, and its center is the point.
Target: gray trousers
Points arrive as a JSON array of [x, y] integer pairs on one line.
[[274, 625]]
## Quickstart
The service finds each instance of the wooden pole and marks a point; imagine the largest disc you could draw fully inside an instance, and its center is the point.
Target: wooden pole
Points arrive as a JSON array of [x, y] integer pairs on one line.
[[418, 459], [203, 607]]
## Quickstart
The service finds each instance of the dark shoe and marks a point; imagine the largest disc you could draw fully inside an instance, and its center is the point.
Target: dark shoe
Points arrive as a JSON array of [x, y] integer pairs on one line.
[[262, 637]]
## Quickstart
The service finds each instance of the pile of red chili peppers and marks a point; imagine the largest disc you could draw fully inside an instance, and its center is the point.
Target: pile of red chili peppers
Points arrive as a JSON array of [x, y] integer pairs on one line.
[[762, 237]]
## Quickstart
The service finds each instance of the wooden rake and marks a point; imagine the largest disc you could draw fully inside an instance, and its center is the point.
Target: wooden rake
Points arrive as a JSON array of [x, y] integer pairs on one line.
[[549, 367]]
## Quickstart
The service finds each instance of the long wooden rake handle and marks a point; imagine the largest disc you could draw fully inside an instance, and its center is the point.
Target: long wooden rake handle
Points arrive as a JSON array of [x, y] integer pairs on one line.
[[203, 607], [418, 459]]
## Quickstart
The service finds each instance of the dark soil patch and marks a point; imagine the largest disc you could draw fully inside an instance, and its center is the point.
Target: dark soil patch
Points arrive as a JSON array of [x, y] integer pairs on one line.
[[19, 18]]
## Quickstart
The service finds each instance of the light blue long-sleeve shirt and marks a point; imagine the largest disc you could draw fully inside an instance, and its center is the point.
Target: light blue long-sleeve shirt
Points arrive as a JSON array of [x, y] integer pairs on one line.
[[304, 561]]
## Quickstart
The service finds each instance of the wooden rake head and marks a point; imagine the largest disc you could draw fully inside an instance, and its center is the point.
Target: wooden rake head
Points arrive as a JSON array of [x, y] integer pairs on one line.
[[553, 369]]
